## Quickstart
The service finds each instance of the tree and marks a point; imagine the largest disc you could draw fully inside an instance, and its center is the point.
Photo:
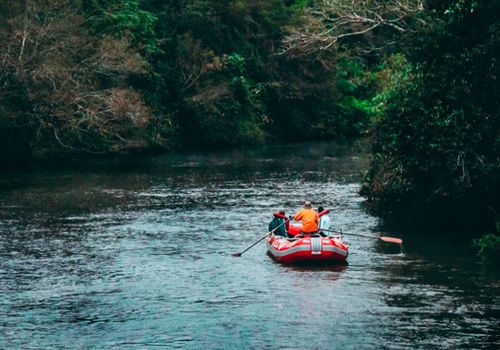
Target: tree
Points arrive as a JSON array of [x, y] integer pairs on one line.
[[332, 22], [66, 92], [435, 144]]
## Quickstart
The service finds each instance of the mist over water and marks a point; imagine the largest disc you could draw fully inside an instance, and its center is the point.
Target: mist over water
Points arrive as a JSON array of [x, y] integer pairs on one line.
[[137, 254]]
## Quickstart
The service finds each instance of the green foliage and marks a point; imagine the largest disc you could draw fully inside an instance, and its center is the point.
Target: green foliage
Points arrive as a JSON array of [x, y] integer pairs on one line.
[[236, 63], [121, 18], [488, 247], [396, 77], [120, 75], [298, 5], [459, 8], [435, 141], [68, 92], [235, 88], [355, 84], [301, 98]]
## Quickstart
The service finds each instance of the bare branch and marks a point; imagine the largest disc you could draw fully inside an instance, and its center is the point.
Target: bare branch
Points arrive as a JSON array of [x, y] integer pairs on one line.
[[332, 21]]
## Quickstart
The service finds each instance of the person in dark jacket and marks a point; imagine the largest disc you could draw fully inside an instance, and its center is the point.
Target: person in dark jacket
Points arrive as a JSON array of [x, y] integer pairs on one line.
[[281, 221]]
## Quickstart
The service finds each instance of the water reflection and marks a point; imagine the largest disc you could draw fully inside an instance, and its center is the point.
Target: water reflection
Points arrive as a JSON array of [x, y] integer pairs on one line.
[[438, 295]]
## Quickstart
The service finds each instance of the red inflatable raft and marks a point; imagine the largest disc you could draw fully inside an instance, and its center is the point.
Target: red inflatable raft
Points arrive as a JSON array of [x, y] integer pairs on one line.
[[309, 248]]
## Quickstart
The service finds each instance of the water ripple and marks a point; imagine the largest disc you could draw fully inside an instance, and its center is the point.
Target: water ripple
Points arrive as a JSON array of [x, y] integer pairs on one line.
[[135, 256]]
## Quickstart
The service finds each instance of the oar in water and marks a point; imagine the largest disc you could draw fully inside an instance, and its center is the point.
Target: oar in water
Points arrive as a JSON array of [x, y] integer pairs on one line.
[[260, 239], [382, 238]]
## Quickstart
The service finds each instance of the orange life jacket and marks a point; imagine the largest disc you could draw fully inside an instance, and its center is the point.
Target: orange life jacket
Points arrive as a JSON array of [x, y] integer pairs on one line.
[[309, 220]]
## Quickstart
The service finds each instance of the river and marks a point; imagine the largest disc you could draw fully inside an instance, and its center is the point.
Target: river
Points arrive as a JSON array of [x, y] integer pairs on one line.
[[137, 254]]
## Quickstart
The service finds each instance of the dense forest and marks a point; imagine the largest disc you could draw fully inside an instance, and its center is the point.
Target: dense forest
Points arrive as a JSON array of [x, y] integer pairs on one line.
[[420, 78], [115, 76]]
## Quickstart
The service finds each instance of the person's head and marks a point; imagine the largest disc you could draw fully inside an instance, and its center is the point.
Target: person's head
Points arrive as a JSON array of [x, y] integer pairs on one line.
[[320, 209], [307, 204], [282, 212]]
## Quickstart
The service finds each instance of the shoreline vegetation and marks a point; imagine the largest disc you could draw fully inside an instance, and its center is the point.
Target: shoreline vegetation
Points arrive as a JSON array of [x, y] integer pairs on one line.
[[104, 77]]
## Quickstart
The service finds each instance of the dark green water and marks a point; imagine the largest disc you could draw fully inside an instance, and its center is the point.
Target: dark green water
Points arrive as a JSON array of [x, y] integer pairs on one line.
[[136, 254]]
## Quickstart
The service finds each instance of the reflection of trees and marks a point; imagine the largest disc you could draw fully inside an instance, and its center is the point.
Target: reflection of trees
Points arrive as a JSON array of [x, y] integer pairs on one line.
[[434, 294]]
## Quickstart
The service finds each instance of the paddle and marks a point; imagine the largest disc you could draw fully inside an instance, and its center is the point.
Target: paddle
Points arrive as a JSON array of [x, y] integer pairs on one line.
[[260, 239], [382, 238]]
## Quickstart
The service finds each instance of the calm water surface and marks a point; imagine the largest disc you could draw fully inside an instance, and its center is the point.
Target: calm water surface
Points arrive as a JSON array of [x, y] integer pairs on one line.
[[136, 254]]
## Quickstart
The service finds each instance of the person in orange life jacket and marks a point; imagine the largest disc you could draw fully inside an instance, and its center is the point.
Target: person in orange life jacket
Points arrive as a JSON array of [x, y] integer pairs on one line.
[[308, 217], [278, 219]]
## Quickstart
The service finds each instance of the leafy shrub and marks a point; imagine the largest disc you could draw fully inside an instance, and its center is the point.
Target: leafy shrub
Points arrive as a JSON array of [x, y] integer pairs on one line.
[[488, 247]]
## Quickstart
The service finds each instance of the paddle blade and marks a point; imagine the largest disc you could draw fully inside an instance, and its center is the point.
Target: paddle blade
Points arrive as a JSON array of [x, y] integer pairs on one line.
[[391, 239], [237, 254]]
